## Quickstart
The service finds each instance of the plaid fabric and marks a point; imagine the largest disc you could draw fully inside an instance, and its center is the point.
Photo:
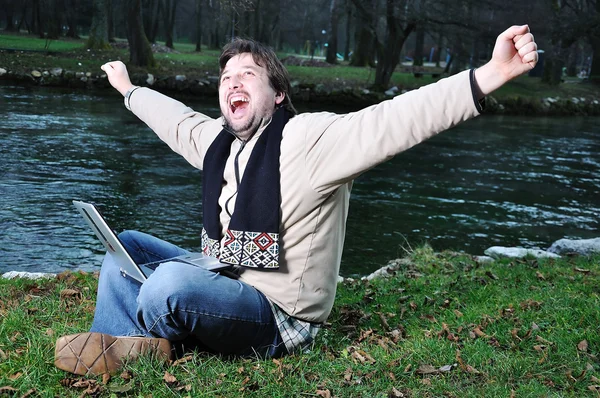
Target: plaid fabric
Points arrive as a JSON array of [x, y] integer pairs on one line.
[[297, 335]]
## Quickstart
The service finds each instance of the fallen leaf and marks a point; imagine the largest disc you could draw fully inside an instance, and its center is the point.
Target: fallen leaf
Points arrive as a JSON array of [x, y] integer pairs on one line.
[[595, 379], [427, 370], [364, 334], [15, 376], [105, 378], [395, 393], [169, 378], [540, 347], [582, 346], [28, 393], [70, 293], [543, 340], [581, 270], [540, 276], [478, 332], [186, 358], [126, 375], [324, 393], [458, 314], [595, 388], [3, 355], [7, 390], [408, 368], [187, 388], [490, 275], [384, 322], [348, 374], [412, 305], [426, 382]]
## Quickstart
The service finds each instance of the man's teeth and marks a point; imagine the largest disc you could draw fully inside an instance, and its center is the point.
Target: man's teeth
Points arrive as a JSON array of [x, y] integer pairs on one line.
[[233, 100]]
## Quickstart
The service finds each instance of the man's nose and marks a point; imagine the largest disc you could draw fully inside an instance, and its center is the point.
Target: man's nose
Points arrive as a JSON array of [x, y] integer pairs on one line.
[[234, 82]]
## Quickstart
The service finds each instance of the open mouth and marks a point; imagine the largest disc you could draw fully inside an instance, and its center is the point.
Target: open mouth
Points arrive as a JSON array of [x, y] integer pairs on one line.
[[237, 102]]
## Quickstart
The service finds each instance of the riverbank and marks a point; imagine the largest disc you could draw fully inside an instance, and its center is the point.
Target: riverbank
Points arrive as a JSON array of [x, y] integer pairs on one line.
[[186, 72], [443, 325]]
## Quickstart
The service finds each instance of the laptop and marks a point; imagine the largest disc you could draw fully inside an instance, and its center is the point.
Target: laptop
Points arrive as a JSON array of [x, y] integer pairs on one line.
[[138, 272]]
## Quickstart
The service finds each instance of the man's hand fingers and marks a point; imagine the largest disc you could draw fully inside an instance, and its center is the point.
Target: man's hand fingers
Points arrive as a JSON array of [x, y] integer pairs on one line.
[[514, 31], [530, 58], [528, 48], [523, 41]]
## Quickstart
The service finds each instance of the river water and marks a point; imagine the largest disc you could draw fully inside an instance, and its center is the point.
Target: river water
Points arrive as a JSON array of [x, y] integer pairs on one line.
[[508, 181]]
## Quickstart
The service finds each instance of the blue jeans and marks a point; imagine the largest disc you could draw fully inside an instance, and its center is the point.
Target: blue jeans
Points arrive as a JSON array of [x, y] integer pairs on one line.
[[185, 304]]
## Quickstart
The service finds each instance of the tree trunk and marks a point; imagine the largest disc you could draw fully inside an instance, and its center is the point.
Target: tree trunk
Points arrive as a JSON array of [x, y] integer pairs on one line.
[[36, 19], [419, 43], [110, 16], [9, 12], [595, 68], [170, 7], [388, 55], [98, 38], [198, 25], [71, 16], [23, 19], [140, 52], [363, 54], [53, 25], [331, 57], [348, 29]]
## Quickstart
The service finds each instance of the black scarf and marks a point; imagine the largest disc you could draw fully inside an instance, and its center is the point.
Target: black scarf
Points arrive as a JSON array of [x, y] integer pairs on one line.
[[253, 233]]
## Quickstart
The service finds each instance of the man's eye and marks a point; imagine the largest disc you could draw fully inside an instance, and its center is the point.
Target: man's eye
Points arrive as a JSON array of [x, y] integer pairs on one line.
[[249, 73], [224, 78]]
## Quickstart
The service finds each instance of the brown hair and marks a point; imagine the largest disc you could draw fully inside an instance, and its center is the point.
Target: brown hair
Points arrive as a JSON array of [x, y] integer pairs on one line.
[[264, 57]]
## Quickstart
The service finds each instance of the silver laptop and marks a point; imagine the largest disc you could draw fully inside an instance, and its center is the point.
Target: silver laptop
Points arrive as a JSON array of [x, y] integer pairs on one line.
[[129, 268]]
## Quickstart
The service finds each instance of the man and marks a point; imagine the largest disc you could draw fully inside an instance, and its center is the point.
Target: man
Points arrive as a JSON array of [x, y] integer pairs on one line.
[[276, 189]]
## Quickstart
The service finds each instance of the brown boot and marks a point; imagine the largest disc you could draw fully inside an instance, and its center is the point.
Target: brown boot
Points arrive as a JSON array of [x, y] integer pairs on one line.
[[98, 353]]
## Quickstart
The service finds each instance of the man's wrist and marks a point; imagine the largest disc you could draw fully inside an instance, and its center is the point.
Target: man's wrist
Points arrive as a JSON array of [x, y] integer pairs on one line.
[[127, 96]]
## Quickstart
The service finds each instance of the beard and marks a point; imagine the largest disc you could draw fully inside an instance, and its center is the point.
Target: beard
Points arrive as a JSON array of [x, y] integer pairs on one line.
[[244, 131]]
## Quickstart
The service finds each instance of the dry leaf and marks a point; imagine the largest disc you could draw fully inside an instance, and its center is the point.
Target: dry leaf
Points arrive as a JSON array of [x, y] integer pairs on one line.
[[582, 346], [595, 388], [28, 393], [126, 375], [186, 358], [478, 332], [324, 393], [105, 378], [7, 390], [408, 368], [348, 374], [540, 347], [540, 276], [70, 293], [595, 379], [458, 313], [15, 376], [490, 275], [543, 340], [395, 393], [582, 270], [384, 322], [169, 378], [427, 370], [426, 382]]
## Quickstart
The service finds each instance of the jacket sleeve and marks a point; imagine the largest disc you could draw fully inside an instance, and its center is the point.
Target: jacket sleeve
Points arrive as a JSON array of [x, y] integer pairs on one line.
[[187, 132], [341, 147]]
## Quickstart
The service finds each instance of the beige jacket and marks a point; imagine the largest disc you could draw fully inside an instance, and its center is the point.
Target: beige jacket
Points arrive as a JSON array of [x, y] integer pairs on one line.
[[321, 153]]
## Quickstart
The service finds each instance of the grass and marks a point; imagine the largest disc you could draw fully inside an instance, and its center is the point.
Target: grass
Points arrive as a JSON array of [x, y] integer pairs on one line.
[[70, 54], [443, 325]]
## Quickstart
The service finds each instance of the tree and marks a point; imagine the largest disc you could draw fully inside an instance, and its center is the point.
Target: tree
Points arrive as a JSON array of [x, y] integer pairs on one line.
[[98, 38], [365, 36], [169, 8], [399, 24], [140, 51], [333, 33], [198, 25]]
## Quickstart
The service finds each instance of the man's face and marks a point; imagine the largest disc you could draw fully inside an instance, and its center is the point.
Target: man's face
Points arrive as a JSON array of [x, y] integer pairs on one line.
[[246, 96]]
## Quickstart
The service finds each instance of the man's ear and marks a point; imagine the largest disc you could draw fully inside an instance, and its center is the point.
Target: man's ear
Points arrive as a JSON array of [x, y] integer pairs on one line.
[[279, 97]]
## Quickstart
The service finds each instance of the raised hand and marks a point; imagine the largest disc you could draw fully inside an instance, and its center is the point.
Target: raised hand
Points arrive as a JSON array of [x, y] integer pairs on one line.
[[116, 71], [515, 53]]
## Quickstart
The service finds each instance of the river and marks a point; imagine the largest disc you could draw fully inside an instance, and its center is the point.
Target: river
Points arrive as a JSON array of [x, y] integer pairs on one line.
[[495, 180]]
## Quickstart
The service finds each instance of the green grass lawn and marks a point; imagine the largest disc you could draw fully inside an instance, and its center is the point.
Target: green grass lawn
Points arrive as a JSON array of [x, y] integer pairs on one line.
[[444, 325], [71, 55]]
